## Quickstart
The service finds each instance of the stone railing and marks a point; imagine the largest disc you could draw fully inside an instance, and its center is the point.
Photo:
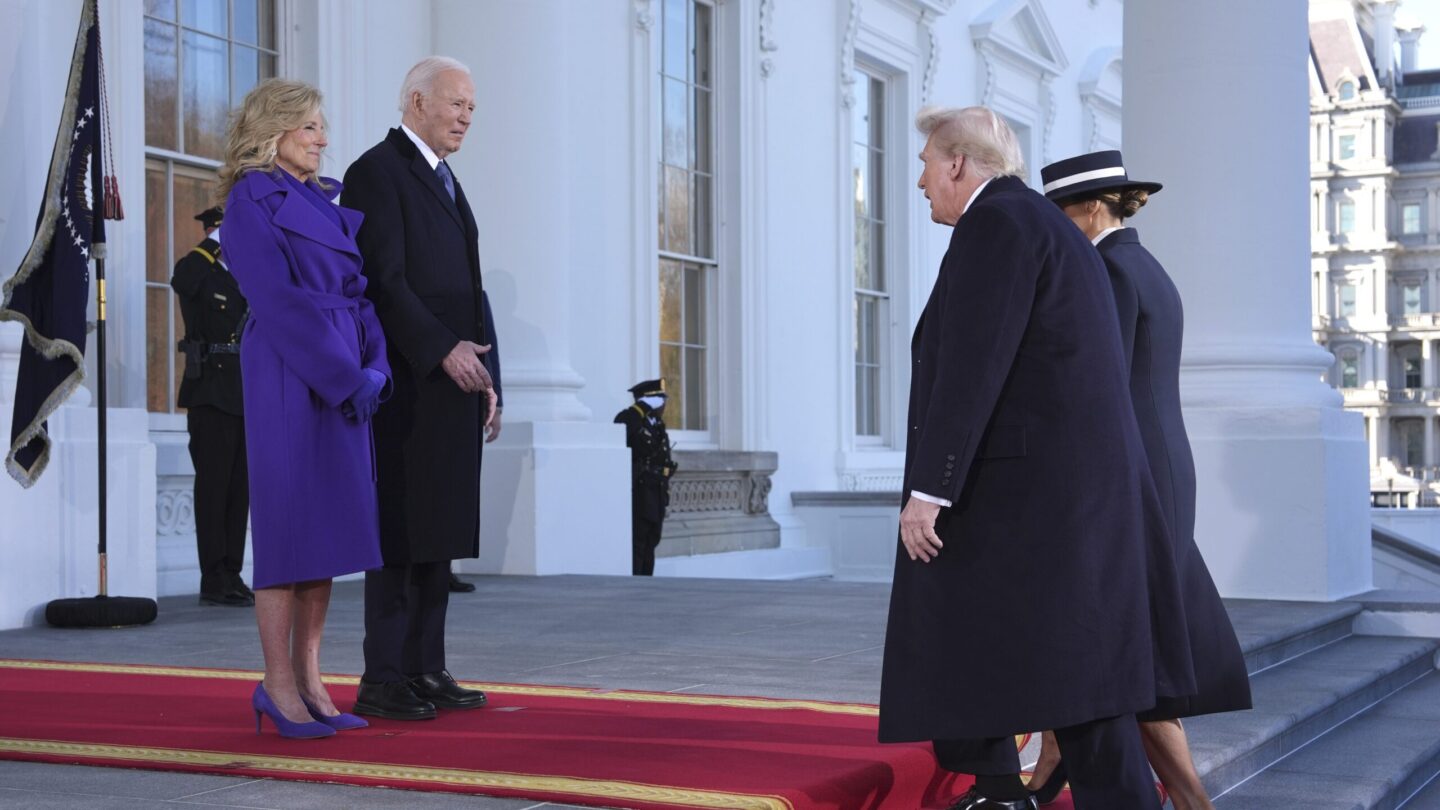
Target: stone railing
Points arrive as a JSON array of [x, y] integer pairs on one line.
[[1393, 396], [1421, 320], [720, 501]]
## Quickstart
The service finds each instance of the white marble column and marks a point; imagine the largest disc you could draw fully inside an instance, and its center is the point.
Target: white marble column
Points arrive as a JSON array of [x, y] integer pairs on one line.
[[1282, 473], [1427, 364], [1428, 457], [556, 486]]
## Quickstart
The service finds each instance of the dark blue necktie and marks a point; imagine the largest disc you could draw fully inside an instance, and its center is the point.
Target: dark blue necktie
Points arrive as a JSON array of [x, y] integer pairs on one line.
[[446, 178]]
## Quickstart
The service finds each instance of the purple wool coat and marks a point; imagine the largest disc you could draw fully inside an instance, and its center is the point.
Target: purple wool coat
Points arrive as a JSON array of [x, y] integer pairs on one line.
[[314, 512]]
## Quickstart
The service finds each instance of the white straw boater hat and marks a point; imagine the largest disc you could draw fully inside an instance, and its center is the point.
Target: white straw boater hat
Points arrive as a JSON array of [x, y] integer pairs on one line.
[[1097, 171]]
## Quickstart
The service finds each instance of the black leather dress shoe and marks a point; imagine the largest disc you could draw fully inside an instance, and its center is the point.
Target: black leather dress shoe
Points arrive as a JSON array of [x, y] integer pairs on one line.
[[442, 690], [238, 585], [226, 598], [974, 800], [393, 700], [458, 585]]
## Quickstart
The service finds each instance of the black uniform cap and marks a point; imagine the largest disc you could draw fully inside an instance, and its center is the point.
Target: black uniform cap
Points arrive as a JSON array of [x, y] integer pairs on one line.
[[211, 217], [649, 388]]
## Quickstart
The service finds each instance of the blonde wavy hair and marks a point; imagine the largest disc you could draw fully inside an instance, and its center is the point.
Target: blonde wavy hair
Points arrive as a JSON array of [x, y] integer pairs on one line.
[[271, 109], [978, 133]]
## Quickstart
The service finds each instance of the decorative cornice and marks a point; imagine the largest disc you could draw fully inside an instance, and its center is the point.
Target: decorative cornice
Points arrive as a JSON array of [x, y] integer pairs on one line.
[[767, 39], [847, 56], [932, 54], [644, 18]]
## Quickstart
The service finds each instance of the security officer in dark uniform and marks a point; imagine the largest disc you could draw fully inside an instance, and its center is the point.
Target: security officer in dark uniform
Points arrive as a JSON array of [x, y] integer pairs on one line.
[[650, 469], [214, 313]]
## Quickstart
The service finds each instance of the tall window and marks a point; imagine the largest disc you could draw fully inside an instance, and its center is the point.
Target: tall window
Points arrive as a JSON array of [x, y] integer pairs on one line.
[[201, 57], [1349, 370], [1410, 218], [1412, 372], [871, 297], [1412, 431], [1347, 217], [1347, 147], [687, 209], [1347, 91], [1410, 298], [1347, 301]]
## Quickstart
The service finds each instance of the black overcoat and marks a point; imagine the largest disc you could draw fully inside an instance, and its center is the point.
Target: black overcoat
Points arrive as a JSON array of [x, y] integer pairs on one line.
[[1151, 333], [1038, 612], [422, 259]]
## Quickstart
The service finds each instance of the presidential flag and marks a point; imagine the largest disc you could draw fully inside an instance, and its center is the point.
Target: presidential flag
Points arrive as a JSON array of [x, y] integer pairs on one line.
[[49, 293]]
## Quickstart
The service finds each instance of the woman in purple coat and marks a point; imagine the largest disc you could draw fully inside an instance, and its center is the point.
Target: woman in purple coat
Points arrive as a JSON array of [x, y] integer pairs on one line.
[[315, 371]]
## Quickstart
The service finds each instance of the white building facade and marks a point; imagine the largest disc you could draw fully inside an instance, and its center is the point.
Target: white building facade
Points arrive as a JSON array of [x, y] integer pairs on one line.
[[719, 192], [1375, 220]]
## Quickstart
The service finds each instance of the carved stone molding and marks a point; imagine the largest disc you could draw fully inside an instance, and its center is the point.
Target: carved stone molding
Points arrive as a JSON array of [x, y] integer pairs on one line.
[[759, 501], [719, 502], [644, 17], [847, 55], [932, 54], [767, 38], [175, 506], [879, 481], [1047, 96]]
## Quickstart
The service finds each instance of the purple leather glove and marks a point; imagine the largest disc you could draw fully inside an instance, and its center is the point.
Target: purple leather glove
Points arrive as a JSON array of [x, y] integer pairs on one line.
[[366, 400]]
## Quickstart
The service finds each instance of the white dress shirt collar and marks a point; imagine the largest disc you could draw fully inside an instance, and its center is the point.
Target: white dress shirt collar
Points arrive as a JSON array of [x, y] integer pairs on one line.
[[1100, 237], [976, 194], [430, 156]]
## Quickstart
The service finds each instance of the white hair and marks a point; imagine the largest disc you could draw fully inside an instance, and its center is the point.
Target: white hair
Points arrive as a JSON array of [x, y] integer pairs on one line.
[[978, 133], [421, 78]]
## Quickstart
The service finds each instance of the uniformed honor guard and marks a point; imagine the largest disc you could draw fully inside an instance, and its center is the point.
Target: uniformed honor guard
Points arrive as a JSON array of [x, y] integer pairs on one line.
[[214, 311], [650, 469]]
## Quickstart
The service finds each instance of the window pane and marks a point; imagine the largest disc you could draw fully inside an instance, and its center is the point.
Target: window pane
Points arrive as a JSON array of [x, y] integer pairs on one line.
[[695, 305], [660, 237], [703, 232], [670, 298], [160, 8], [860, 163], [865, 349], [677, 210], [247, 21], [1347, 147], [157, 348], [1349, 374], [265, 12], [157, 248], [161, 86], [674, 36], [193, 189], [1412, 299], [670, 372], [1410, 219], [246, 68], [695, 416], [207, 95], [1347, 301], [1347, 217], [860, 113], [877, 184], [877, 113], [206, 15], [676, 124], [877, 256], [267, 66], [863, 279], [703, 134], [703, 50]]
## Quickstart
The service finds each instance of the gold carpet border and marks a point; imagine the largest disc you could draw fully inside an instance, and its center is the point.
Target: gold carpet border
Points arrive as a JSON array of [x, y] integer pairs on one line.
[[855, 709], [631, 791]]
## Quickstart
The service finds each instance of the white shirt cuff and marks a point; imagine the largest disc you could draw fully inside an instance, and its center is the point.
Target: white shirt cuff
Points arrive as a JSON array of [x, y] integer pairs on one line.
[[915, 493]]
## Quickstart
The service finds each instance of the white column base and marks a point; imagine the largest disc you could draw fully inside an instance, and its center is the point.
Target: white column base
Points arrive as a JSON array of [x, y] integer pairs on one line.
[[49, 536], [1282, 501], [554, 499]]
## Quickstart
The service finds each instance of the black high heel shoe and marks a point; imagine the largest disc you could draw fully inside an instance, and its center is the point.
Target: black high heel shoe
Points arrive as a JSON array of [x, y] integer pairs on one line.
[[1050, 791]]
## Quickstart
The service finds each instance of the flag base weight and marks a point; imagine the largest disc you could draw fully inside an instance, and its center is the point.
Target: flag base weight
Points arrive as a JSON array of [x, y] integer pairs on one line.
[[101, 611]]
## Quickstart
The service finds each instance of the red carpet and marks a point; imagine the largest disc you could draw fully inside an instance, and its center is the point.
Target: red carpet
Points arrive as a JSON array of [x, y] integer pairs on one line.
[[572, 745]]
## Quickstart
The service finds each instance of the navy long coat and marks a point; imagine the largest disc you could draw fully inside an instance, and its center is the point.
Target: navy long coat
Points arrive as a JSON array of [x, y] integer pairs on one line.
[[1151, 331], [313, 508], [1037, 613], [422, 257]]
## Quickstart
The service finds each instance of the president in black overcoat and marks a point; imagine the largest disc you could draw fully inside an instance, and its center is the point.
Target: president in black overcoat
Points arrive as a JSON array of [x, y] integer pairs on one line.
[[1030, 529], [422, 260]]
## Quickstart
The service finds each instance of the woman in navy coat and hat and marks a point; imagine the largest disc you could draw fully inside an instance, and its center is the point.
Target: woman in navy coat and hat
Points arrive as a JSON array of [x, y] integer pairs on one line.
[[1097, 194], [313, 358]]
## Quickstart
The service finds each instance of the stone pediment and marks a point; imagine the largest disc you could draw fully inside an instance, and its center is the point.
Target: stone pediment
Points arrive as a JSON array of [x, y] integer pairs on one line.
[[1019, 29]]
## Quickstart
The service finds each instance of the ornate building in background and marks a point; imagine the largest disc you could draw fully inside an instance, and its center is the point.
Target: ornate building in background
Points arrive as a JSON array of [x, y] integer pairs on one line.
[[1375, 218]]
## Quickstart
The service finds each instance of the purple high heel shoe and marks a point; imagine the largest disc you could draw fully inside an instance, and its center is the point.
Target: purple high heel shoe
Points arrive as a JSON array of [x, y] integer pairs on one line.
[[339, 722], [262, 704]]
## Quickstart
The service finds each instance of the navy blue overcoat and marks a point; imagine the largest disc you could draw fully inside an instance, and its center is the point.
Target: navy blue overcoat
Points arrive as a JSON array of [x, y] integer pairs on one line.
[[1038, 613]]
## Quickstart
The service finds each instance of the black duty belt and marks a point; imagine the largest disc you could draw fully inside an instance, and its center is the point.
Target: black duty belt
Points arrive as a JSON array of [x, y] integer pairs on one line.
[[222, 348]]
